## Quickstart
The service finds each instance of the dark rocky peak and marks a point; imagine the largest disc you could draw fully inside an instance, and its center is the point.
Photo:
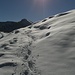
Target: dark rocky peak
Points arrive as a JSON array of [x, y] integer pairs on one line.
[[9, 26]]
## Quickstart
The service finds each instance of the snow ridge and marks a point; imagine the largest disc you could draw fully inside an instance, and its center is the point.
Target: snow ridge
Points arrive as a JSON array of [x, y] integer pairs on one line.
[[46, 47]]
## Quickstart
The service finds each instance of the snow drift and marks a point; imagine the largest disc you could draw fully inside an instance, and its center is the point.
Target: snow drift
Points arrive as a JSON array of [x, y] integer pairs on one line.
[[43, 48]]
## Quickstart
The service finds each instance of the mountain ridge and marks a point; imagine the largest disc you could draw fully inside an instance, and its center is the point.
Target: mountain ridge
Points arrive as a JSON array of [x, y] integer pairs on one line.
[[9, 26]]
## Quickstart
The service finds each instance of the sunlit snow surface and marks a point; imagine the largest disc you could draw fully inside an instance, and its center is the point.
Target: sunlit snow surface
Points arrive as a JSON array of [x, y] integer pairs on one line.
[[43, 48]]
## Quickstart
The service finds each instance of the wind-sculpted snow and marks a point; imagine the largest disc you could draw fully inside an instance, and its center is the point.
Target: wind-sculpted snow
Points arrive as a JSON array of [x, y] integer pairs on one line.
[[15, 55], [46, 47]]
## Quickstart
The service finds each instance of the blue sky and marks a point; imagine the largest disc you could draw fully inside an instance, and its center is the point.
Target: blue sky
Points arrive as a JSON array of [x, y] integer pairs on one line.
[[15, 10]]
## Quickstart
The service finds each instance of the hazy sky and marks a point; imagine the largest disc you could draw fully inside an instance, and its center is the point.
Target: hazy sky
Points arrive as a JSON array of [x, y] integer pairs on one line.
[[34, 10]]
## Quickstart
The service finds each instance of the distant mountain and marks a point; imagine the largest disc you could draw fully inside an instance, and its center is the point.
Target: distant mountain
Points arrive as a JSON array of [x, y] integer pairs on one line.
[[10, 25]]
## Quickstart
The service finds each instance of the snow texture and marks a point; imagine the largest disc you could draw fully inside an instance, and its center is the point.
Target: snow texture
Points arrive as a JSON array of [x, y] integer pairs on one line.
[[46, 47]]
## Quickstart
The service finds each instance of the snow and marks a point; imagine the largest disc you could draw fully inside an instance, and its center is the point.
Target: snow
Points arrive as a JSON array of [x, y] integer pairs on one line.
[[43, 48]]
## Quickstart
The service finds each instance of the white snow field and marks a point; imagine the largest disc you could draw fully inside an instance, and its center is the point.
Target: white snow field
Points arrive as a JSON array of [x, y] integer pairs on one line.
[[43, 48]]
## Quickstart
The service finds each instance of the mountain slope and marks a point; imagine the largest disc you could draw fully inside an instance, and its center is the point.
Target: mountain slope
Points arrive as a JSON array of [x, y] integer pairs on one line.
[[44, 48], [57, 50], [9, 26]]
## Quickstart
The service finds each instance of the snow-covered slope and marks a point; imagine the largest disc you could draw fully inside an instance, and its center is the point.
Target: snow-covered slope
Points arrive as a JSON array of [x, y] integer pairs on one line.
[[43, 48]]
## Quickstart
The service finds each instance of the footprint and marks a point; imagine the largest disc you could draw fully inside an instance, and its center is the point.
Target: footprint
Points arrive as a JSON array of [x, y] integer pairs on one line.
[[26, 72], [49, 27], [48, 34], [31, 64], [13, 41], [7, 48], [62, 14], [17, 31], [51, 17], [36, 26], [29, 52], [1, 54], [3, 45], [44, 20], [8, 64], [42, 27]]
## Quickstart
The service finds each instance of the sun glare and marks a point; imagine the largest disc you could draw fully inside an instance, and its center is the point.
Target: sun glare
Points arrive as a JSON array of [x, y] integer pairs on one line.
[[40, 3], [40, 6]]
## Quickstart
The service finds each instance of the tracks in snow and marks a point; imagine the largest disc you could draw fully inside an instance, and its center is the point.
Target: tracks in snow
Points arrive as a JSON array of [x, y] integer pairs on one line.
[[16, 56]]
